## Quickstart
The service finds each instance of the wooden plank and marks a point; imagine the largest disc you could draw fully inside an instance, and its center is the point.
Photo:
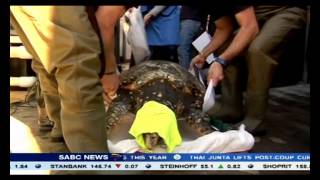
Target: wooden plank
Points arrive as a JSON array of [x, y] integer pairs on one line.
[[23, 81], [19, 52], [15, 39], [13, 32]]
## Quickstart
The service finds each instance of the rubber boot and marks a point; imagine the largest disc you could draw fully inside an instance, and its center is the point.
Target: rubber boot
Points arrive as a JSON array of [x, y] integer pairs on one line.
[[43, 121], [230, 108], [56, 132], [51, 107], [44, 124], [54, 109], [261, 67], [256, 107]]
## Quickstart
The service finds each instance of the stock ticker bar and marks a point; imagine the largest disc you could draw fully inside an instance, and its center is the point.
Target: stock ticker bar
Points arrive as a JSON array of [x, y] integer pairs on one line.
[[140, 161]]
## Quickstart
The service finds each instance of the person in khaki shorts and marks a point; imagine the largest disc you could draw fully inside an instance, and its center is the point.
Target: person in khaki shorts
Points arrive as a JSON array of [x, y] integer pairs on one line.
[[66, 52]]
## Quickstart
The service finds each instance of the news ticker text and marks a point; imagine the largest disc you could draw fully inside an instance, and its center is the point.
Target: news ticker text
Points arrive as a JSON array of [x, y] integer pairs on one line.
[[138, 161]]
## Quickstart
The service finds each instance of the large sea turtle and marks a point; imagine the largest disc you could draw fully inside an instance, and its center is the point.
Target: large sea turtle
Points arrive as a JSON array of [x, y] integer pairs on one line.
[[167, 83]]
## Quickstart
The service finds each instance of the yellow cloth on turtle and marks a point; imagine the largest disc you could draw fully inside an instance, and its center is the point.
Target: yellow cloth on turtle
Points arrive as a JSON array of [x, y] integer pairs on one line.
[[154, 117]]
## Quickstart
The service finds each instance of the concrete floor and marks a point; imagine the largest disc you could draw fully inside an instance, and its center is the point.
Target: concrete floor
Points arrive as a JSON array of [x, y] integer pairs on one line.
[[288, 123]]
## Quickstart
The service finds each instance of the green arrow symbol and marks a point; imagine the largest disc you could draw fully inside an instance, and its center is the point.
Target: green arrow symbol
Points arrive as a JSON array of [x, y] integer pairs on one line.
[[220, 166]]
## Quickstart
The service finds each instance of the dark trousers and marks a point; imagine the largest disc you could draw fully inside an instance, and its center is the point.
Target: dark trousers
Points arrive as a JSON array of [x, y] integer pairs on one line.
[[168, 53], [277, 30]]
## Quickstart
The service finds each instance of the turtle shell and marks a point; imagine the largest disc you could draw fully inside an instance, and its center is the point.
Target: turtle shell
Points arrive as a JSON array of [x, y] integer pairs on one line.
[[164, 82], [156, 72]]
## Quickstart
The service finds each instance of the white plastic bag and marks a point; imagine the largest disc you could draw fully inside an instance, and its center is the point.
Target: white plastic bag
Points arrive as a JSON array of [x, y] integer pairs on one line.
[[216, 142], [136, 35], [209, 98], [196, 72]]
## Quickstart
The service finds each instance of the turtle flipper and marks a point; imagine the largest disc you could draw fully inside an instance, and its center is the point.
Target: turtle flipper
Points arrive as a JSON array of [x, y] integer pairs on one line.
[[118, 107], [199, 121]]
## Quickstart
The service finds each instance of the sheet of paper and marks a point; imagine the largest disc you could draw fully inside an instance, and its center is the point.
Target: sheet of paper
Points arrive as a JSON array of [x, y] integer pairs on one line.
[[202, 41]]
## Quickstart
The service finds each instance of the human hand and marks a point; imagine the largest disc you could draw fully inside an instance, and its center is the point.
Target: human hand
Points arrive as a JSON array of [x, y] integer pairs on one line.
[[110, 85], [215, 73], [147, 18], [197, 61], [130, 9]]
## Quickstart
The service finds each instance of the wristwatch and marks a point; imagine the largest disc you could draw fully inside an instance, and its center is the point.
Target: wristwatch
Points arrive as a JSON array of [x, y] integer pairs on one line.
[[221, 61], [110, 73], [116, 71]]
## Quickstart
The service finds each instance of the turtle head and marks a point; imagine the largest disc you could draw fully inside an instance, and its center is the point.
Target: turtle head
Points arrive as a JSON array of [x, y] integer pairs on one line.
[[151, 140]]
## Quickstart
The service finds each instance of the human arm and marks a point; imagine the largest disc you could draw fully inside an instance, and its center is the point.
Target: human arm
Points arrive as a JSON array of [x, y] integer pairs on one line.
[[107, 18], [223, 31], [247, 32], [153, 13]]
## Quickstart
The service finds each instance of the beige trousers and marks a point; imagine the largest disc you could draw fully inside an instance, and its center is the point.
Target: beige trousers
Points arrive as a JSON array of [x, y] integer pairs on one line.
[[66, 57]]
